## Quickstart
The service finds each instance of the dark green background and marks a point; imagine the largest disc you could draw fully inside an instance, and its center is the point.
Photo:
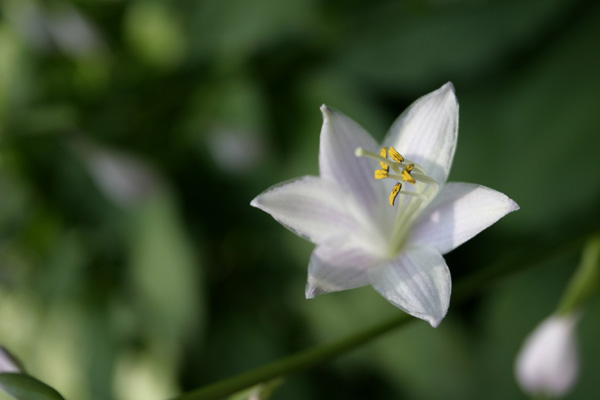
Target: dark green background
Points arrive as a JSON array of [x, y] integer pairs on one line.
[[189, 284]]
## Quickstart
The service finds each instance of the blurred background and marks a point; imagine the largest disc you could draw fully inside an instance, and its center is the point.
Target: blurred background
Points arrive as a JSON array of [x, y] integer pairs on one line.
[[133, 135]]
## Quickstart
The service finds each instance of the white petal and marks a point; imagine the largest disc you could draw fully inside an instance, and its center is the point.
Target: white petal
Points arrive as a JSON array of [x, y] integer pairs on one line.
[[418, 282], [427, 131], [340, 137], [8, 362], [548, 362], [459, 212], [337, 267], [310, 206]]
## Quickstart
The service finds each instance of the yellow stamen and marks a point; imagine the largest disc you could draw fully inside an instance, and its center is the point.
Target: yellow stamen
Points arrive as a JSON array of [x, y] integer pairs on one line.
[[381, 174], [396, 167], [383, 153], [406, 174], [394, 193], [395, 155]]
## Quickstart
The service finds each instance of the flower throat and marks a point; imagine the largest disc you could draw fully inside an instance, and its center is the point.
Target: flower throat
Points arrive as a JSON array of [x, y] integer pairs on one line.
[[402, 170]]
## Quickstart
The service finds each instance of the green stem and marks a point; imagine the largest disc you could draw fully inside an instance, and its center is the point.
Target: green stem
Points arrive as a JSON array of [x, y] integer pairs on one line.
[[585, 281], [464, 289]]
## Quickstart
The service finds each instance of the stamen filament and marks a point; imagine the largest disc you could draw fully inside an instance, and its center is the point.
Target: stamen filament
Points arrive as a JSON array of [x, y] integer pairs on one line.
[[360, 152], [396, 177], [403, 178], [418, 168], [425, 179], [414, 194]]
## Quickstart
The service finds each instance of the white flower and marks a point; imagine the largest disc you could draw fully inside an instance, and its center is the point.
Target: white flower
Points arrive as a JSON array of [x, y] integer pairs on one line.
[[548, 362], [394, 242], [8, 362]]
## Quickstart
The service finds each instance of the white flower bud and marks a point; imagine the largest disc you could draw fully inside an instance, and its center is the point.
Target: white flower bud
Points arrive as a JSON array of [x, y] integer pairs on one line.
[[548, 363]]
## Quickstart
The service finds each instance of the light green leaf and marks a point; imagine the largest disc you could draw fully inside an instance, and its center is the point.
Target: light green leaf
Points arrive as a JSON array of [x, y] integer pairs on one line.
[[26, 387], [155, 34], [164, 271], [236, 28], [10, 62]]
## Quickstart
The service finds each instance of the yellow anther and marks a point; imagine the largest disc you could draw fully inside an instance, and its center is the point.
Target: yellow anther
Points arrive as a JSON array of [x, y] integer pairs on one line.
[[383, 153], [406, 177], [395, 155], [394, 193], [381, 174]]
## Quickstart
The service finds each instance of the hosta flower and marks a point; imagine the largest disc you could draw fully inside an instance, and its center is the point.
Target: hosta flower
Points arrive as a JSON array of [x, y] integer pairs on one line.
[[384, 215], [548, 365]]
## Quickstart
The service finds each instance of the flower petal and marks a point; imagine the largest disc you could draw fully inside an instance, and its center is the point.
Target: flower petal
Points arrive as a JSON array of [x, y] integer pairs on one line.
[[427, 131], [336, 267], [340, 137], [459, 212], [418, 282], [310, 206]]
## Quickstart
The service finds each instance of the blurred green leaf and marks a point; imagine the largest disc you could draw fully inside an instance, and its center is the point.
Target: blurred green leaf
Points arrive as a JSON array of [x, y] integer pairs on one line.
[[26, 387], [234, 29], [154, 32], [396, 45], [229, 120], [10, 62], [164, 271]]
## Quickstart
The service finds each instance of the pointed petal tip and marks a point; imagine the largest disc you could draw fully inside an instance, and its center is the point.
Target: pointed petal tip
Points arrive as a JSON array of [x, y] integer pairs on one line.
[[434, 317], [435, 322], [255, 202], [513, 206], [431, 319], [312, 291], [448, 91], [418, 282], [326, 110], [449, 86]]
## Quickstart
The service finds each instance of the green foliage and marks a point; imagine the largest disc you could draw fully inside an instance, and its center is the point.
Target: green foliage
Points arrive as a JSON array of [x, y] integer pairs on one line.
[[26, 387], [155, 34]]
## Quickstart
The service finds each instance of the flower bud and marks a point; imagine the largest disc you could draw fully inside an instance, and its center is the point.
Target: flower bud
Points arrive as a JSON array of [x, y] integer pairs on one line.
[[548, 363]]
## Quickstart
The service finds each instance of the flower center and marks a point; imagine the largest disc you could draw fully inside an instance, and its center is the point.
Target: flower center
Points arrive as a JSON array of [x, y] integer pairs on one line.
[[410, 202], [402, 170]]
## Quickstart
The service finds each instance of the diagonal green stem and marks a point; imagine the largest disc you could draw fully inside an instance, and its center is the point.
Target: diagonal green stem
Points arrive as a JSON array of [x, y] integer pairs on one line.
[[464, 289]]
